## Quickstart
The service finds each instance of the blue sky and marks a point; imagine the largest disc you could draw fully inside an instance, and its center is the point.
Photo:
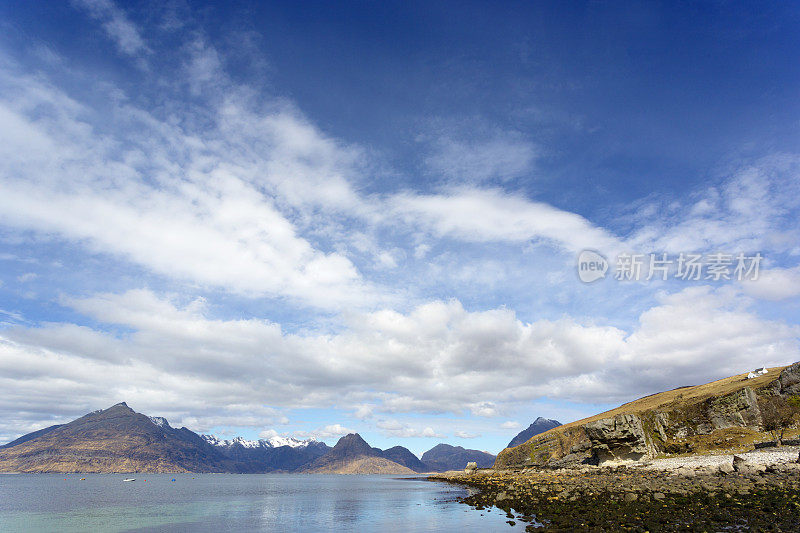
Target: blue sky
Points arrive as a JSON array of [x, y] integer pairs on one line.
[[314, 218]]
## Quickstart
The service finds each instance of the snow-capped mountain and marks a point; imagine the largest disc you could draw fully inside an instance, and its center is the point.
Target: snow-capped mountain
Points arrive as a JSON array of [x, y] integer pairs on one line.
[[275, 454], [160, 421], [272, 442]]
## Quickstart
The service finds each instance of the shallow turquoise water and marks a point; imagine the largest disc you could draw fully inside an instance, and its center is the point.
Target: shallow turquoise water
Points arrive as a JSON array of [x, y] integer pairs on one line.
[[230, 502]]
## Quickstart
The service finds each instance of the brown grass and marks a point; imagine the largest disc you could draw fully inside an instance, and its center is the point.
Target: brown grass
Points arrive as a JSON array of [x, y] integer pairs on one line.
[[563, 436], [684, 395]]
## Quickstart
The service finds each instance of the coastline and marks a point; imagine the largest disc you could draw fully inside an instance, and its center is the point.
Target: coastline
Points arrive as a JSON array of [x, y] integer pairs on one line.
[[757, 490]]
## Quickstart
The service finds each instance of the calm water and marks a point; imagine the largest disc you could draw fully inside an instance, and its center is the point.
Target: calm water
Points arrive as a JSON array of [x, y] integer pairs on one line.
[[229, 502]]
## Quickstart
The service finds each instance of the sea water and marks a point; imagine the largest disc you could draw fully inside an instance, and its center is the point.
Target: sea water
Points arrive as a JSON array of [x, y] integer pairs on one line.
[[231, 502]]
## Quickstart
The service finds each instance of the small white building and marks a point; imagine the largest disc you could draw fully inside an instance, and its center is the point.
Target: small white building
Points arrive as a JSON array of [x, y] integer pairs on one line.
[[757, 372]]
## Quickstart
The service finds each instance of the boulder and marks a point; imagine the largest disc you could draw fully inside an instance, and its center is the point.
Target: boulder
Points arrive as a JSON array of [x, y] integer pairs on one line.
[[726, 468], [707, 470], [743, 466], [471, 467], [619, 438]]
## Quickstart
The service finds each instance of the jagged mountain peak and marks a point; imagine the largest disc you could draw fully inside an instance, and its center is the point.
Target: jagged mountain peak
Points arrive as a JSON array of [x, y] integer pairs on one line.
[[272, 442], [540, 425], [354, 444], [160, 421]]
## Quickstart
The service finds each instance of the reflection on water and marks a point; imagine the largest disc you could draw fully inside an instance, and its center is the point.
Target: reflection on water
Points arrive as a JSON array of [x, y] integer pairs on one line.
[[227, 502]]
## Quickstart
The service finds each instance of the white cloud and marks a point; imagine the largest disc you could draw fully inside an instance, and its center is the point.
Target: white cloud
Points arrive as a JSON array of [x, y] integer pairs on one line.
[[118, 27], [774, 284], [399, 429], [749, 210], [421, 250], [510, 424], [364, 411], [465, 435], [235, 191], [331, 431], [484, 215], [436, 358], [503, 156], [268, 434], [26, 277], [213, 217], [387, 260], [487, 409]]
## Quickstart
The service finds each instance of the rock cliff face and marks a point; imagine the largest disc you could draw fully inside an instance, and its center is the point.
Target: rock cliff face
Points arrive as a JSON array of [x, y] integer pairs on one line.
[[673, 421], [619, 438], [789, 381]]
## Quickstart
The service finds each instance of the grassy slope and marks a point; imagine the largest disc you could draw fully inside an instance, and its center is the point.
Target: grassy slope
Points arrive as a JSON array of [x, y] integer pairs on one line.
[[563, 437]]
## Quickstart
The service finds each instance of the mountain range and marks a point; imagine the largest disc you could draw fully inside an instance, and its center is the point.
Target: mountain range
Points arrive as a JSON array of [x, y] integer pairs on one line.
[[444, 457], [118, 439], [352, 455]]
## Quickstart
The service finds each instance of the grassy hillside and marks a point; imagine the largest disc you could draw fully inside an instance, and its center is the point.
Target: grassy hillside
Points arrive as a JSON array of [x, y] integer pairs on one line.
[[687, 407]]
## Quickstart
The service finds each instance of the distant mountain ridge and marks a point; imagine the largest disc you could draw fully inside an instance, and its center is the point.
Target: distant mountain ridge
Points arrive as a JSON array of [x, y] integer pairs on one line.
[[352, 455], [540, 425], [272, 442], [277, 454], [444, 457], [118, 439]]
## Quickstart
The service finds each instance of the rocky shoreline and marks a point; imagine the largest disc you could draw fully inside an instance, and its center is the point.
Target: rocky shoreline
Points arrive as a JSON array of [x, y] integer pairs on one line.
[[757, 491]]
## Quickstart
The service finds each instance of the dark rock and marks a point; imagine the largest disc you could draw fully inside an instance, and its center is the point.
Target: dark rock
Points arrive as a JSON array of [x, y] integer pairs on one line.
[[789, 380]]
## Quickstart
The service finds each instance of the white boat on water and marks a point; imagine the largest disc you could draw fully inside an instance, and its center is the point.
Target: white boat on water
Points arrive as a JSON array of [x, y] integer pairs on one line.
[[129, 479]]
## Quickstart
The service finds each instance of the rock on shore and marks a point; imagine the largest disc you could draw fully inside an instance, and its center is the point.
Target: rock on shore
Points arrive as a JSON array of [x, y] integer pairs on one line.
[[704, 494]]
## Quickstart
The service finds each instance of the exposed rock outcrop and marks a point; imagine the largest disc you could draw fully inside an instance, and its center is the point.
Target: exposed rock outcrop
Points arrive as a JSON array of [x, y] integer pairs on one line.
[[696, 419], [737, 409], [619, 438], [788, 381]]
